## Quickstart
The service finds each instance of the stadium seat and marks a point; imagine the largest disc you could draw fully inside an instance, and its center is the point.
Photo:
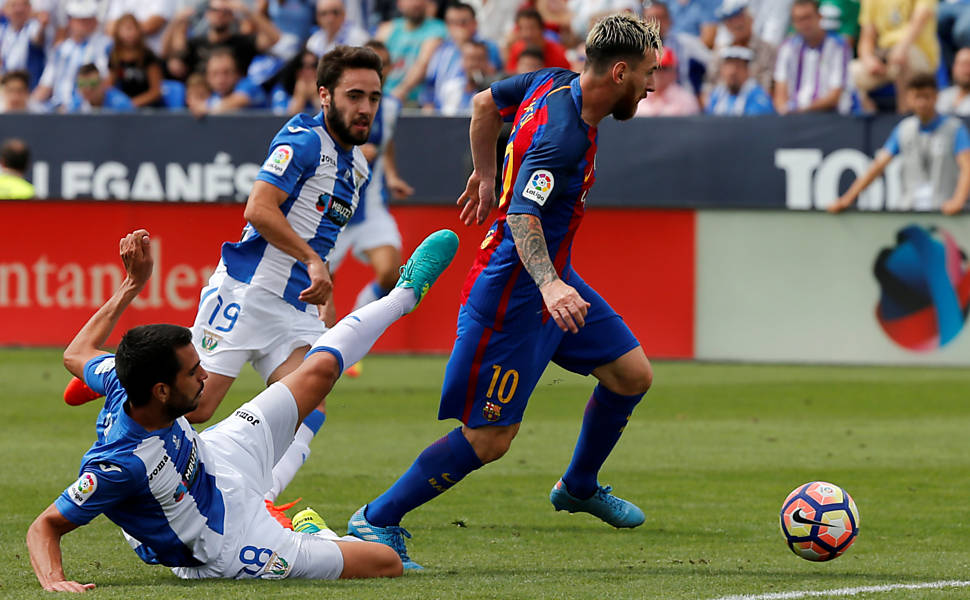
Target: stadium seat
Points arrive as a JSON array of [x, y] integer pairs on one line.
[[173, 94]]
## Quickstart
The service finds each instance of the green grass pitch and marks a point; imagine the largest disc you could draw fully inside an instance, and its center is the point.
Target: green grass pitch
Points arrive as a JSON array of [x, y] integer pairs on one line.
[[710, 455]]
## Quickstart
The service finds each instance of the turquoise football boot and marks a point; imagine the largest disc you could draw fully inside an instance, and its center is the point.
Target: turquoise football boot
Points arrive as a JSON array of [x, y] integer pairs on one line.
[[428, 260], [615, 511], [392, 536]]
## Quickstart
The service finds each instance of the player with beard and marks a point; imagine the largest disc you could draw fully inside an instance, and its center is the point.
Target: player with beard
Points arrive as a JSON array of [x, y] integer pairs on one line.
[[523, 305]]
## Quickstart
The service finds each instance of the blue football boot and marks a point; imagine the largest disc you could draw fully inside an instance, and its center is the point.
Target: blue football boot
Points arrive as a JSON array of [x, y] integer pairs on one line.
[[392, 536], [615, 511]]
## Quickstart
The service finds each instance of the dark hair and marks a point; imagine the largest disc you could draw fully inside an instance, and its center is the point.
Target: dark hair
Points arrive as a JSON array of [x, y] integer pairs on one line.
[[141, 47], [461, 6], [224, 51], [812, 3], [922, 81], [146, 356], [530, 13], [15, 155], [88, 69], [334, 63], [376, 45], [291, 71], [533, 52], [19, 75]]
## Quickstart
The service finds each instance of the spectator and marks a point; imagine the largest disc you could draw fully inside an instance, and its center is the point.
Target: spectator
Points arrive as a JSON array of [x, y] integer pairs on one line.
[[812, 71], [496, 19], [934, 151], [294, 19], [446, 65], [14, 92], [134, 68], [95, 94], [454, 96], [334, 29], [953, 27], [411, 39], [531, 59], [152, 17], [557, 18], [587, 12], [738, 93], [297, 90], [21, 40], [84, 45], [955, 100], [197, 93], [529, 29], [842, 17], [230, 91], [695, 17], [669, 99], [228, 23], [693, 57], [897, 40], [14, 158], [737, 20], [770, 21]]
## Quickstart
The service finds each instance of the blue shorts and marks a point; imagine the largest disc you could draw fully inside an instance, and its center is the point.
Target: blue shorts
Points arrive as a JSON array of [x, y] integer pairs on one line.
[[491, 374]]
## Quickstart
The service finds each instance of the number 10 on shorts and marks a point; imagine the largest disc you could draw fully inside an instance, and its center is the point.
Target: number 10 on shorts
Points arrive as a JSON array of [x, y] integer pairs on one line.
[[503, 384]]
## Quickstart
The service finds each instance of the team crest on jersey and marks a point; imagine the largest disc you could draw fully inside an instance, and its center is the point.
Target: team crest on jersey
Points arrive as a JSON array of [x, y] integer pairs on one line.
[[276, 567], [210, 341], [83, 488], [492, 411], [279, 160], [539, 187]]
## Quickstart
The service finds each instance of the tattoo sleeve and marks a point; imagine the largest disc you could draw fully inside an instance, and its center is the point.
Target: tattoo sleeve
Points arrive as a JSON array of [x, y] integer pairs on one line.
[[531, 245]]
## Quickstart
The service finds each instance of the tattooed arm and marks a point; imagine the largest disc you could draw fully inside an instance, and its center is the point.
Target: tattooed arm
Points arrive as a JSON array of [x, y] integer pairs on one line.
[[565, 304]]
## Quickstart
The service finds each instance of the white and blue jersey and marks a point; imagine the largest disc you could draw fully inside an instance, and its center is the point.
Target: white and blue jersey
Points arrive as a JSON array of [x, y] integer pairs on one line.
[[323, 182], [375, 192], [18, 50], [69, 56], [751, 99], [154, 485]]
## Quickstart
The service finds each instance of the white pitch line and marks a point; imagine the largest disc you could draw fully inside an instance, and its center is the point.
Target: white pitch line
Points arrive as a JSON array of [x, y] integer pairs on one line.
[[934, 585]]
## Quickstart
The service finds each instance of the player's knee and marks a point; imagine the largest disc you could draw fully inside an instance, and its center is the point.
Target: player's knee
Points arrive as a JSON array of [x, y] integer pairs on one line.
[[490, 443], [389, 563], [324, 366], [634, 381]]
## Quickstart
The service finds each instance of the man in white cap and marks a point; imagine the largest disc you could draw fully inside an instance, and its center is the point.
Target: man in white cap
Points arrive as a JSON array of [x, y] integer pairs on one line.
[[738, 93], [84, 44], [736, 18]]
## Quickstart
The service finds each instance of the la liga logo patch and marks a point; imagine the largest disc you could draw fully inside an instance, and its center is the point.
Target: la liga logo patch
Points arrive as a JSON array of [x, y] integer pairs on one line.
[[278, 160], [924, 285], [540, 186], [83, 488]]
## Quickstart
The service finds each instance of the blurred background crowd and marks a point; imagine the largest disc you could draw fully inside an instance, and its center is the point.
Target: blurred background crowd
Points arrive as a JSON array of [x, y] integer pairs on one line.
[[721, 57]]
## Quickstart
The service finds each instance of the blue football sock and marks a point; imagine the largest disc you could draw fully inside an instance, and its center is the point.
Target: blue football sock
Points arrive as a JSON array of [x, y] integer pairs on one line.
[[315, 420], [378, 291], [607, 414], [440, 466]]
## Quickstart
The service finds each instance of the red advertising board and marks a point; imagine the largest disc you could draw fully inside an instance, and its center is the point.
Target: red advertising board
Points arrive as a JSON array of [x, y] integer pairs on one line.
[[59, 263]]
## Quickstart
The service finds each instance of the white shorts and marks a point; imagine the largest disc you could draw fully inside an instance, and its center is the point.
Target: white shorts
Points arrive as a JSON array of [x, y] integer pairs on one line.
[[241, 450], [378, 229], [239, 323]]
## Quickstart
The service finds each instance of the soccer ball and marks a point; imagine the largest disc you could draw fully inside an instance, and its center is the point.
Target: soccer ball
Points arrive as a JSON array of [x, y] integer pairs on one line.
[[819, 521]]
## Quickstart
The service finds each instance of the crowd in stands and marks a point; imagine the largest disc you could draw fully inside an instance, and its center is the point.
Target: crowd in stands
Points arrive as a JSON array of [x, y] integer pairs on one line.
[[721, 57]]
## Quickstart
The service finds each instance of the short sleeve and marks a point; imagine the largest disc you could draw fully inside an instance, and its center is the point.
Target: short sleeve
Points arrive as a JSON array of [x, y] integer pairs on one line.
[[294, 152], [962, 141], [543, 175], [100, 374], [509, 93], [95, 491], [892, 144]]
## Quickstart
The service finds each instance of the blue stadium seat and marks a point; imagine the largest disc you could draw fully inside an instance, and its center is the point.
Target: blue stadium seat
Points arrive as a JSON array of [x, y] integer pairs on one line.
[[173, 94]]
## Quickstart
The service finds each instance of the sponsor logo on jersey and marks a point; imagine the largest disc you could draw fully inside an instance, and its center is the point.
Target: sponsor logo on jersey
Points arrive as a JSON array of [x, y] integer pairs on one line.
[[104, 366], [492, 411], [278, 160], [210, 341], [246, 416], [84, 488], [539, 187], [158, 468], [293, 129], [337, 210], [326, 159], [109, 468]]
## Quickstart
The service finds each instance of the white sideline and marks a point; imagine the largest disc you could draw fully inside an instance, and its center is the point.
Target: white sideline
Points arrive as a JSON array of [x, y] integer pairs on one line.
[[935, 585]]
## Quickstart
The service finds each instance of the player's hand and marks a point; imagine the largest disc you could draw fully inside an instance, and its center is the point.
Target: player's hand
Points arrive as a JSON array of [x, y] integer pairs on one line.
[[68, 586], [320, 283], [478, 199], [136, 254], [953, 206], [565, 305], [328, 312], [399, 188]]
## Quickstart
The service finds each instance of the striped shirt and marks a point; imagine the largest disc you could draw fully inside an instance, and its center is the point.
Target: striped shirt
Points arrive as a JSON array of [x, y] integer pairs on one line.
[[445, 67], [154, 485], [349, 35], [323, 183], [18, 51], [751, 99], [67, 58], [810, 72]]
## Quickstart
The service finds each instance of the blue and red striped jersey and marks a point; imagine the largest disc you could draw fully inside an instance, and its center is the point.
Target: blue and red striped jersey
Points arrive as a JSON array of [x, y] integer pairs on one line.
[[548, 169]]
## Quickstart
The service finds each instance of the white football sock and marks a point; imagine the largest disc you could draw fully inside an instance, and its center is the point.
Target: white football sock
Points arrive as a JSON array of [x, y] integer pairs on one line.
[[356, 333], [285, 469]]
